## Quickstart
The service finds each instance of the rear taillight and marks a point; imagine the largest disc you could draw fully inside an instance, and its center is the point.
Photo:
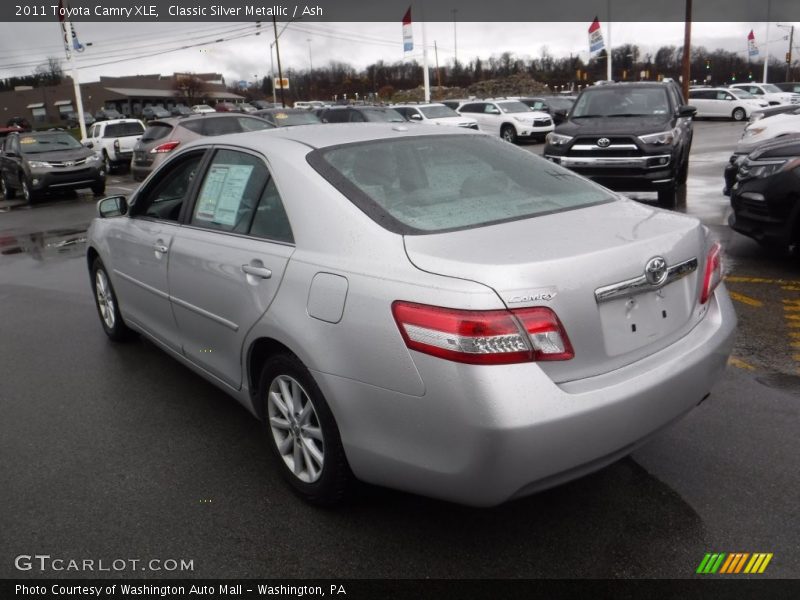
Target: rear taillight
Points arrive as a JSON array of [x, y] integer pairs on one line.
[[165, 147], [713, 273], [484, 337], [116, 146]]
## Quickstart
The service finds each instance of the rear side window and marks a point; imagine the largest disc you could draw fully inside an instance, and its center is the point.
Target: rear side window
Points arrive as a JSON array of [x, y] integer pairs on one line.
[[442, 183], [336, 116], [123, 129], [250, 124], [156, 131]]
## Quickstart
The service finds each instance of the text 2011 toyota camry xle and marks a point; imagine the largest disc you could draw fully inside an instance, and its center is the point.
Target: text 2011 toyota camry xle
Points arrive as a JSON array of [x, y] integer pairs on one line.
[[434, 311]]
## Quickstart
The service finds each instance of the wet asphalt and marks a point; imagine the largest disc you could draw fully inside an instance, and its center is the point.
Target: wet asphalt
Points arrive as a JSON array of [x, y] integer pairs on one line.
[[117, 452]]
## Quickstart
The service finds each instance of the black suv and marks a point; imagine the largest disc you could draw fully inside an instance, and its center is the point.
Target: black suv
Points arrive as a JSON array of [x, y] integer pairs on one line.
[[628, 137]]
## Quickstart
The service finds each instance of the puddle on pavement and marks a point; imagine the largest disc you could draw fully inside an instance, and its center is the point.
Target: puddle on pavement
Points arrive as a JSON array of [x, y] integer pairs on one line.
[[56, 243], [781, 381]]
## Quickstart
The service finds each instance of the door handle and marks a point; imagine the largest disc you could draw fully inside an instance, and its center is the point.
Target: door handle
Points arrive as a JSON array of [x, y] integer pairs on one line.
[[262, 272], [161, 248]]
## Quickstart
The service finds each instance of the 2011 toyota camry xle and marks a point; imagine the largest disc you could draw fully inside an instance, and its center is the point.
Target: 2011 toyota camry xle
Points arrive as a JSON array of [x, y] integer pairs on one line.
[[434, 311]]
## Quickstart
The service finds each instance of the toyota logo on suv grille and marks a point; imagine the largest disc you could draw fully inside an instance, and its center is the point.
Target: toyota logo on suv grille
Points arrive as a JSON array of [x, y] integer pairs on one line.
[[604, 142]]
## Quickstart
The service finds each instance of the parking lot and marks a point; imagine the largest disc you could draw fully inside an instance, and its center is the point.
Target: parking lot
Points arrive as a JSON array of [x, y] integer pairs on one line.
[[117, 451]]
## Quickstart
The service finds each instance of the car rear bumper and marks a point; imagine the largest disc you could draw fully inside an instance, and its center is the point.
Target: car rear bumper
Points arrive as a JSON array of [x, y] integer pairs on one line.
[[485, 435]]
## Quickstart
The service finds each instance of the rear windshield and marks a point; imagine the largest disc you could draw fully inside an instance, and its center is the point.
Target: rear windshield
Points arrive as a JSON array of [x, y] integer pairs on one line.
[[156, 132], [123, 130], [621, 102], [431, 184]]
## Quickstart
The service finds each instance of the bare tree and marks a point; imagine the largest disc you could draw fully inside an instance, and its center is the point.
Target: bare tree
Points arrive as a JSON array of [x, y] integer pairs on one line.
[[189, 87], [49, 73]]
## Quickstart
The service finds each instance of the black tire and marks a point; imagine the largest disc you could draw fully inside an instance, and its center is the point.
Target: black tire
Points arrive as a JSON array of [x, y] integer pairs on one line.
[[334, 479], [508, 133], [9, 193], [98, 189], [739, 114], [27, 193], [108, 166], [110, 317], [667, 197], [683, 172]]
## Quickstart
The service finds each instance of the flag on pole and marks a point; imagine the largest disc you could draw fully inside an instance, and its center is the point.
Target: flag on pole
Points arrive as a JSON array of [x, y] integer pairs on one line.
[[408, 38], [76, 45], [595, 37], [752, 49]]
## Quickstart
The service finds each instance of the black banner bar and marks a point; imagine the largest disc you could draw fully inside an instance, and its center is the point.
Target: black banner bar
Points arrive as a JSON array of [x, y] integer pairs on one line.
[[705, 588], [584, 11]]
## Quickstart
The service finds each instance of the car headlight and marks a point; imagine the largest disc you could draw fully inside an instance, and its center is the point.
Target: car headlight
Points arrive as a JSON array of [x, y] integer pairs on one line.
[[751, 131], [663, 138], [761, 170], [39, 164], [556, 139]]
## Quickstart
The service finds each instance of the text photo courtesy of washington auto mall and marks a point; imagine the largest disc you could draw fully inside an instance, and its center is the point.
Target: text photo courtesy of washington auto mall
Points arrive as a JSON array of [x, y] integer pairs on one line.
[[399, 299]]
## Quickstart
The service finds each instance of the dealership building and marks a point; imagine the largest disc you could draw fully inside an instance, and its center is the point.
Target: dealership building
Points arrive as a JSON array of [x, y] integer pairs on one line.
[[54, 104]]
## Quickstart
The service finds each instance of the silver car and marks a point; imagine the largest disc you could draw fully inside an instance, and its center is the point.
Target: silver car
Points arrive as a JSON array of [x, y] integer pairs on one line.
[[429, 309]]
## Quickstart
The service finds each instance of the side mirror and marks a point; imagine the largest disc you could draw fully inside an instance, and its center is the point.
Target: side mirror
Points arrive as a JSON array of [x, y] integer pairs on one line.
[[416, 117], [686, 110], [561, 112], [113, 206], [89, 144]]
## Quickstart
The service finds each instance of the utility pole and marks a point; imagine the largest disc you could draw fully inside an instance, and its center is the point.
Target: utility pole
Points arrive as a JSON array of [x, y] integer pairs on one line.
[[438, 72], [766, 43], [789, 53], [609, 70], [686, 66], [278, 55], [455, 40]]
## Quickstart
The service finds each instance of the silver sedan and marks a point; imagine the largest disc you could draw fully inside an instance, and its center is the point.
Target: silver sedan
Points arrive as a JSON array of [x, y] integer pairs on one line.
[[434, 311]]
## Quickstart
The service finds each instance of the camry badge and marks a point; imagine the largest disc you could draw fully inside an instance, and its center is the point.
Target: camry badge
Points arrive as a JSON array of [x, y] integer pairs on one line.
[[540, 295], [655, 271], [604, 142]]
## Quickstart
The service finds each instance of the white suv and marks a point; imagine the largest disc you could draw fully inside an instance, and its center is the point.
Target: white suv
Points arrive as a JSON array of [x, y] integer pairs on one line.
[[114, 140], [510, 119], [769, 92], [435, 114]]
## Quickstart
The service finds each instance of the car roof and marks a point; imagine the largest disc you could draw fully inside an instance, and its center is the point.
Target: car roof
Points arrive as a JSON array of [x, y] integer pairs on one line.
[[323, 135]]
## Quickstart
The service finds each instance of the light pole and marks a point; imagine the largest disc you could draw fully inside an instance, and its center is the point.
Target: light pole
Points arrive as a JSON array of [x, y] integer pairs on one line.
[[271, 66], [789, 53]]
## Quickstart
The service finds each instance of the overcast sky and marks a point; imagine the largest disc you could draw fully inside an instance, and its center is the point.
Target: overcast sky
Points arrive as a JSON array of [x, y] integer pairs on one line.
[[143, 48]]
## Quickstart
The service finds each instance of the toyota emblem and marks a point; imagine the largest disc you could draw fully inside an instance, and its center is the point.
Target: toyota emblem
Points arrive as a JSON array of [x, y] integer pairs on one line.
[[655, 271], [604, 142]]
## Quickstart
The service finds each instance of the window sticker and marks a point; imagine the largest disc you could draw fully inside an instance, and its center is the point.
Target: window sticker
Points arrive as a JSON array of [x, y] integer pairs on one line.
[[222, 193]]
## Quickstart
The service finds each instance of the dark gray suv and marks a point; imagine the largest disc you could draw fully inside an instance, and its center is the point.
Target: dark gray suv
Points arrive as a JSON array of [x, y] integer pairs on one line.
[[34, 163], [627, 137]]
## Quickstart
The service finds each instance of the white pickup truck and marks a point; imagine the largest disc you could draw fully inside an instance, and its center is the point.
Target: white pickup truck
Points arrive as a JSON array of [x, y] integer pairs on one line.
[[113, 140]]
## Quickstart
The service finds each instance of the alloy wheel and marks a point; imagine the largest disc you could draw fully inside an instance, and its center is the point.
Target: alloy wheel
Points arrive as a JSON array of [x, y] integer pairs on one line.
[[295, 428], [105, 298]]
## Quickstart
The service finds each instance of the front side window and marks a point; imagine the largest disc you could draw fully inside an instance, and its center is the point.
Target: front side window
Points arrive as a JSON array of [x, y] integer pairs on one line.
[[440, 183], [166, 193]]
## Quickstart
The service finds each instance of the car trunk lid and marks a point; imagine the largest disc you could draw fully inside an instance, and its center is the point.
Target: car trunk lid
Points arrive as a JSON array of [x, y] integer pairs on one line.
[[583, 264]]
